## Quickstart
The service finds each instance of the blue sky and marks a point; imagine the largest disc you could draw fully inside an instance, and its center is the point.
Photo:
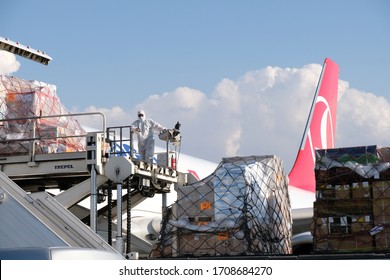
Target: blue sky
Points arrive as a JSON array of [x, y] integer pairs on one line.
[[122, 55], [138, 48]]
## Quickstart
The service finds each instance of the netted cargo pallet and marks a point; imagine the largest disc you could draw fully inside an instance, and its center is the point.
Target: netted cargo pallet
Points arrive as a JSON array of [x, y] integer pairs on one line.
[[352, 207], [22, 106], [243, 208]]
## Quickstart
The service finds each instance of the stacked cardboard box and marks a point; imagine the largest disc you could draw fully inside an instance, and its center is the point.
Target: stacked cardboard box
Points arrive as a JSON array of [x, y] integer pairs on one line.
[[22, 103], [243, 208], [352, 207], [381, 212]]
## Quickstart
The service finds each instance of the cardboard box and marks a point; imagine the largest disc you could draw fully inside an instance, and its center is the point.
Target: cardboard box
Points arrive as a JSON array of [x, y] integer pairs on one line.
[[195, 201], [162, 251], [325, 191], [345, 243], [365, 242], [381, 189], [382, 239], [342, 191], [322, 245], [381, 211], [321, 227], [211, 244], [196, 244], [361, 189], [335, 244], [357, 227]]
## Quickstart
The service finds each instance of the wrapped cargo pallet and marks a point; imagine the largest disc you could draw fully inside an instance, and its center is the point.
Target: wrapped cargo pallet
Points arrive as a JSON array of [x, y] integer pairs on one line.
[[243, 208], [352, 207], [22, 106]]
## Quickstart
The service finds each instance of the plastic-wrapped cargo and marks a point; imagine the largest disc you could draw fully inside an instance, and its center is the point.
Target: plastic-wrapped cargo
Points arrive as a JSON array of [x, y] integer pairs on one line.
[[243, 208], [364, 161], [352, 207], [21, 104]]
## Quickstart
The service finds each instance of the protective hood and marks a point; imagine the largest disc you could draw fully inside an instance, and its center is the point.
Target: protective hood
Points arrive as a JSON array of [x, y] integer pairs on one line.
[[141, 112]]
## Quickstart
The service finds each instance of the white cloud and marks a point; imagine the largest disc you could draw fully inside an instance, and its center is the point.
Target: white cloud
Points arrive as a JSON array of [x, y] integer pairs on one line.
[[363, 119], [261, 113], [8, 63]]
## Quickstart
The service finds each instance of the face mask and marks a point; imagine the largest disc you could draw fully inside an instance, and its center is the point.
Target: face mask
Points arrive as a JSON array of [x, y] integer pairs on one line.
[[142, 119]]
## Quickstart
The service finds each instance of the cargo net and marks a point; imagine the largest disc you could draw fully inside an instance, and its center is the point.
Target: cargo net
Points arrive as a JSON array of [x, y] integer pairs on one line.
[[21, 103], [352, 207], [243, 208]]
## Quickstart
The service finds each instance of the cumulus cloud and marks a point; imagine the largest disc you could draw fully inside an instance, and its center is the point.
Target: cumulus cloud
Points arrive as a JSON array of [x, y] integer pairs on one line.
[[263, 112], [363, 119], [8, 64]]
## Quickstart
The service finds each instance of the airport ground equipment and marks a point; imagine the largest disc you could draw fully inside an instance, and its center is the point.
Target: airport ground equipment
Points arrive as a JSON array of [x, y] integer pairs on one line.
[[140, 177], [77, 175], [39, 220]]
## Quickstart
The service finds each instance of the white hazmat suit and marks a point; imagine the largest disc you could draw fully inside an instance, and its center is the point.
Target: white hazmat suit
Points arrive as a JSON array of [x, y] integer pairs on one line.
[[145, 129]]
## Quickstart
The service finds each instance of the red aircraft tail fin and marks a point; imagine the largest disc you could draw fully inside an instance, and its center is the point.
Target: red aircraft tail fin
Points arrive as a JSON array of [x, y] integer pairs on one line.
[[320, 128]]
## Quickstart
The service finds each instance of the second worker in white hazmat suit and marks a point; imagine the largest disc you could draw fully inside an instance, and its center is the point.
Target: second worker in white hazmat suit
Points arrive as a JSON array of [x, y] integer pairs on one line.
[[145, 128]]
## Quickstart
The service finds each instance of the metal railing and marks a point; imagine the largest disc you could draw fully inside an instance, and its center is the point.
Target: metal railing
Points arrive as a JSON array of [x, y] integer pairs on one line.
[[120, 139], [31, 130]]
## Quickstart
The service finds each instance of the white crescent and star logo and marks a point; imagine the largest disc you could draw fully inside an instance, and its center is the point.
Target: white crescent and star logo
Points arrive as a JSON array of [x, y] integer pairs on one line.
[[323, 138]]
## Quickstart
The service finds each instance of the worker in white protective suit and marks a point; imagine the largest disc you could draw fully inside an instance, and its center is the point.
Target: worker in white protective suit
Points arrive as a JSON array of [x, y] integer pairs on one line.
[[145, 129]]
